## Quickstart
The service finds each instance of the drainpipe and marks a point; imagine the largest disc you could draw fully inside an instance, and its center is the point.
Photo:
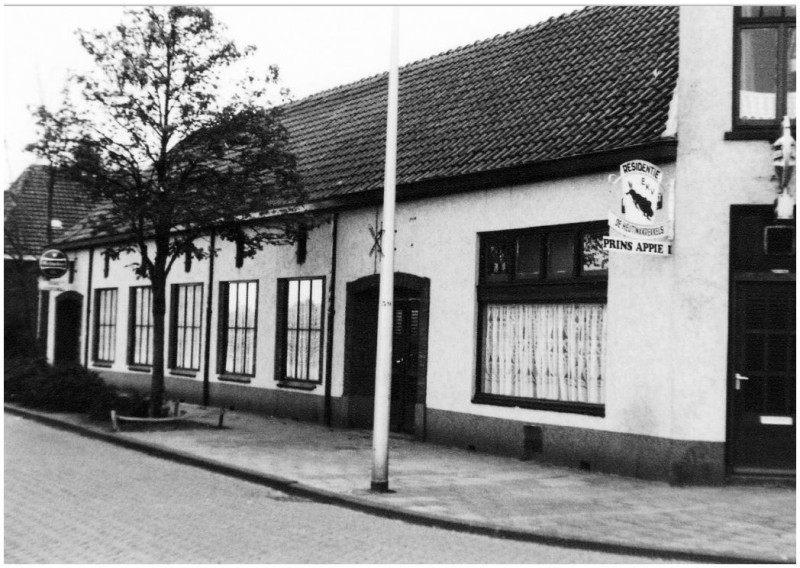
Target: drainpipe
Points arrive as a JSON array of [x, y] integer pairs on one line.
[[331, 314], [209, 309], [88, 308]]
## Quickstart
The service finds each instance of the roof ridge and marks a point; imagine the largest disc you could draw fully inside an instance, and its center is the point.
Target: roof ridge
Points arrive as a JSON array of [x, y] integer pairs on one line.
[[448, 53]]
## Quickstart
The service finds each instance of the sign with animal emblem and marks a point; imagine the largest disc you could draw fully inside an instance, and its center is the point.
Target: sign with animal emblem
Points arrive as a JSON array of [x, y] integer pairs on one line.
[[640, 202], [640, 211]]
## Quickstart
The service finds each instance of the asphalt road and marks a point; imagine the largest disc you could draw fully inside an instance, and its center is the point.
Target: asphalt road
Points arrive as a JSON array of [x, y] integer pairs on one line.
[[70, 499]]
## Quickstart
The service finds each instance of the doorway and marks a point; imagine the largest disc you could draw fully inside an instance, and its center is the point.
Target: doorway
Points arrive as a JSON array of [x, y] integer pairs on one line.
[[762, 370], [409, 353], [68, 328]]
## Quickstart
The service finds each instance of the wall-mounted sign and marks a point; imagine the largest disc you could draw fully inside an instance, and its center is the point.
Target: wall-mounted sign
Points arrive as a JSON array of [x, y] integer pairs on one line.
[[641, 214], [53, 263]]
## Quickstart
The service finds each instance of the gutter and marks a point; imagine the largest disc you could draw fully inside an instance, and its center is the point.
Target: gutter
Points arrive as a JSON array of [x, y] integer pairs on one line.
[[331, 314], [209, 311], [88, 309]]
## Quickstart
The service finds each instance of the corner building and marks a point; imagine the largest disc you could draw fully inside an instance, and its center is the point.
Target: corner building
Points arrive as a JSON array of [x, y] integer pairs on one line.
[[515, 330]]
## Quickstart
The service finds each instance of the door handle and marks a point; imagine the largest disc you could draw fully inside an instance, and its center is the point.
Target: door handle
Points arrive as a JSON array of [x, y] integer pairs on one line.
[[739, 379]]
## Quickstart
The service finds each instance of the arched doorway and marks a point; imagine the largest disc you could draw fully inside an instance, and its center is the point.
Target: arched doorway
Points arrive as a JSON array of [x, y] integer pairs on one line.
[[68, 328], [409, 352]]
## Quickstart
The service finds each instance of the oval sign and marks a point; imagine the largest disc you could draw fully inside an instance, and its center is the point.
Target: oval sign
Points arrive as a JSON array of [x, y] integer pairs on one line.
[[53, 263]]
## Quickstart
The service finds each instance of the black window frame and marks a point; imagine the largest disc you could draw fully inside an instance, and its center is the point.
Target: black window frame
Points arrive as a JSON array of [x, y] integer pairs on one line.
[[760, 129], [196, 329], [99, 299], [579, 286], [223, 333], [133, 326], [282, 330]]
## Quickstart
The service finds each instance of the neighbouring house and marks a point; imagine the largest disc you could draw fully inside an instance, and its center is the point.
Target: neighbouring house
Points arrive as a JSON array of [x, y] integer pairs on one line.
[[32, 218], [521, 325]]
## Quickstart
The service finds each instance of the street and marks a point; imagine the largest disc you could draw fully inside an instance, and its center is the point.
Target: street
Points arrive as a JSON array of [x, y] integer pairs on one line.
[[70, 499]]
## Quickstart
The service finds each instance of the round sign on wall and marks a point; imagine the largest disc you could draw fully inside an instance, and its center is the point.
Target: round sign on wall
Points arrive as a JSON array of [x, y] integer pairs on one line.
[[53, 263]]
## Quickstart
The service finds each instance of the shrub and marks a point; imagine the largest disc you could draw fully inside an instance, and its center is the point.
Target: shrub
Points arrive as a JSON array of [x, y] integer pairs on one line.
[[68, 388]]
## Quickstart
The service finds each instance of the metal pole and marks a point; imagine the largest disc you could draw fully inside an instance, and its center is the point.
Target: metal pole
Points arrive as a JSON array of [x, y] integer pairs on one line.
[[383, 363]]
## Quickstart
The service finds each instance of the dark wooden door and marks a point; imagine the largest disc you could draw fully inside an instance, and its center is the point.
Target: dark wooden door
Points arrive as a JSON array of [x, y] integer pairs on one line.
[[763, 378], [405, 358], [405, 364], [68, 329]]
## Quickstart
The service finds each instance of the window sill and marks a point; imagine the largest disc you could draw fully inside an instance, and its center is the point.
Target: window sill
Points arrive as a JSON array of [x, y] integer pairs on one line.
[[140, 368], [243, 379], [540, 404], [103, 364], [769, 133], [183, 373], [299, 385]]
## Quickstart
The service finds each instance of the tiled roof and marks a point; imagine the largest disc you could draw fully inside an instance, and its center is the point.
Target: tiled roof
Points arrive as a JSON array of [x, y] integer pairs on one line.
[[598, 79], [595, 80], [25, 210]]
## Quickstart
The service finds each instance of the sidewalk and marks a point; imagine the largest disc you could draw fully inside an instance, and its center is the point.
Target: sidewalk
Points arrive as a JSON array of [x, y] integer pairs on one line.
[[464, 490]]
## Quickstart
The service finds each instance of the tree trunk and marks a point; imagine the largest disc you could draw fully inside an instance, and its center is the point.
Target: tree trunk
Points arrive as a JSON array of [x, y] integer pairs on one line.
[[159, 283]]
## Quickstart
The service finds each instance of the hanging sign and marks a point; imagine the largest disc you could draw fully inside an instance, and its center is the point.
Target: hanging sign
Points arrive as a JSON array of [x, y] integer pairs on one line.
[[639, 214], [53, 263]]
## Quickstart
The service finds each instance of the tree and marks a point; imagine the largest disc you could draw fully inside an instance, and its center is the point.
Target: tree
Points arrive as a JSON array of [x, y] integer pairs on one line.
[[154, 140]]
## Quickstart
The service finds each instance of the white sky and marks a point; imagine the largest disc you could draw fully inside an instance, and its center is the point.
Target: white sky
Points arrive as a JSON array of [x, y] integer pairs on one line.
[[316, 47]]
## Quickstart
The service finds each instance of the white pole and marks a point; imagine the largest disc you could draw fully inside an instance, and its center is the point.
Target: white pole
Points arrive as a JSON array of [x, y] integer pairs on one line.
[[383, 358]]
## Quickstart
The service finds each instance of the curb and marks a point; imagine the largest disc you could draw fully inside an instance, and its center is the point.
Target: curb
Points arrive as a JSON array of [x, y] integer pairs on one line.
[[299, 489]]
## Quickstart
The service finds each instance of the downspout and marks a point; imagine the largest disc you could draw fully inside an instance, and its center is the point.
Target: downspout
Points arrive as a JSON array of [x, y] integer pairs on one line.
[[88, 308], [331, 313], [209, 309]]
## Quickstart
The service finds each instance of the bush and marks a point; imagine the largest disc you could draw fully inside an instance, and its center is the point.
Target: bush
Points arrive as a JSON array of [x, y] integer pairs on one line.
[[65, 388], [68, 388]]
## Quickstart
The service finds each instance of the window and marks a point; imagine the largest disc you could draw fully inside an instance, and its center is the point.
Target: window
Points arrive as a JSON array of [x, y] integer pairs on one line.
[[542, 299], [140, 326], [299, 330], [238, 309], [186, 319], [105, 325], [765, 67]]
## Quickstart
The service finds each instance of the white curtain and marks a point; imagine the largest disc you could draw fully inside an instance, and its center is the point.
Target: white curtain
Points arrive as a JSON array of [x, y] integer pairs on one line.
[[544, 351]]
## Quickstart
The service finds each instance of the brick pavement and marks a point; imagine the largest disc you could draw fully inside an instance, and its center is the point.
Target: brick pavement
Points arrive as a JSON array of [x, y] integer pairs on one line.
[[522, 498], [70, 499]]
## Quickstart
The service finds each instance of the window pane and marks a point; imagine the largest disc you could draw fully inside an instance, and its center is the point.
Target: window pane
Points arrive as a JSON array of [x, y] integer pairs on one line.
[[305, 304], [791, 80], [758, 73], [498, 259], [291, 312], [529, 256], [595, 257], [291, 353], [544, 351], [316, 304], [561, 255], [315, 338]]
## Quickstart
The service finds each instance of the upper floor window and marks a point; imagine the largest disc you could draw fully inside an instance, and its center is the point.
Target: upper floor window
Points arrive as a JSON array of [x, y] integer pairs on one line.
[[765, 67]]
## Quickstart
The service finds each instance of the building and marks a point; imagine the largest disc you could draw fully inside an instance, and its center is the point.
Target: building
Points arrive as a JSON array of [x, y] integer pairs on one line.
[[31, 220], [515, 330]]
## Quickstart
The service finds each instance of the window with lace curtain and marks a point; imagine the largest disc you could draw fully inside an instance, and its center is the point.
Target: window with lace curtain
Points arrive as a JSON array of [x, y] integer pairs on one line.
[[542, 297], [765, 68]]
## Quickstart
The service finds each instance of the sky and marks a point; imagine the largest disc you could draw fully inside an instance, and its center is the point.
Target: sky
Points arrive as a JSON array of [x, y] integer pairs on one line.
[[316, 47]]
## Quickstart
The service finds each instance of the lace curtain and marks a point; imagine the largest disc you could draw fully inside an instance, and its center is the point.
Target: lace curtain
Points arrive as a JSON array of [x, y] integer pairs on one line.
[[544, 351]]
